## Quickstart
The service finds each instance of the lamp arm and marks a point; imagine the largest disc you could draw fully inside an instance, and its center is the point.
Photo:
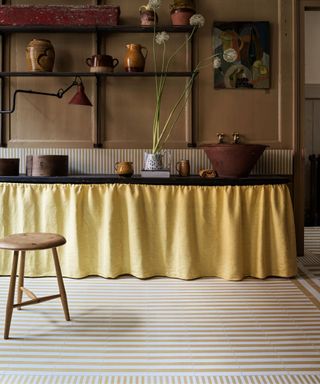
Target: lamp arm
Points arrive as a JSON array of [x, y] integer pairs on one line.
[[59, 94]]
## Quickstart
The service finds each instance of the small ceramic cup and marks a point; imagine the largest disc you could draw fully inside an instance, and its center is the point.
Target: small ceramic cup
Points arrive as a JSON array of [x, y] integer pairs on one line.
[[183, 167], [123, 168]]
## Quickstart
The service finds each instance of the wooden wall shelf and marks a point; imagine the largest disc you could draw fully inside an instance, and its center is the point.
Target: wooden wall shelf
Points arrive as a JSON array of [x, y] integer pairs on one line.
[[93, 74], [93, 29]]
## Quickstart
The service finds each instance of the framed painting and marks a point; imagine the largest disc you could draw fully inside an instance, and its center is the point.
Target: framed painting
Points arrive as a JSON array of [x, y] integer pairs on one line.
[[241, 54]]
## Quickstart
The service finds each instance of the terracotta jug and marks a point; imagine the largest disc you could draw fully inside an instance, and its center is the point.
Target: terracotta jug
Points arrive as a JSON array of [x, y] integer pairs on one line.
[[134, 59], [40, 55]]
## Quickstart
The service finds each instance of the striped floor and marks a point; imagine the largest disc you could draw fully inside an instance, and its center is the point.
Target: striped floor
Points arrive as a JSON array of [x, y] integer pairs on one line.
[[311, 259], [312, 239], [163, 331]]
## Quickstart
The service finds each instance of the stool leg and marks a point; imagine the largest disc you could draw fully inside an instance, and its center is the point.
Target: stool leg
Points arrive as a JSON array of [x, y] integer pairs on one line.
[[21, 277], [60, 284], [10, 300]]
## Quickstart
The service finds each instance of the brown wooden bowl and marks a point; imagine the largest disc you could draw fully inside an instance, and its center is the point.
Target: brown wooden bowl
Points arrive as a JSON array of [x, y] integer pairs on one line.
[[47, 165]]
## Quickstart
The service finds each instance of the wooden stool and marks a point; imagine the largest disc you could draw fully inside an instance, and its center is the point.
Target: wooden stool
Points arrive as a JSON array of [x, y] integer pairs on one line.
[[23, 242]]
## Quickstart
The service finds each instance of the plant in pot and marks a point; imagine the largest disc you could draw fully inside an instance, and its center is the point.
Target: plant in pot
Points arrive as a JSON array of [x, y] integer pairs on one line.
[[162, 126], [181, 12]]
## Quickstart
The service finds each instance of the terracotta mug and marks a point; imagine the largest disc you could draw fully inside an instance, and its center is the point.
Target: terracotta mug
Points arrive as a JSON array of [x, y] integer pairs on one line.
[[183, 168], [105, 61], [124, 168]]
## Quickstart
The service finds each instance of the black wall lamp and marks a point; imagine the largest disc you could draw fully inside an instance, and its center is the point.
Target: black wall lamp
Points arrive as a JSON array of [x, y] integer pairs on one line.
[[80, 98]]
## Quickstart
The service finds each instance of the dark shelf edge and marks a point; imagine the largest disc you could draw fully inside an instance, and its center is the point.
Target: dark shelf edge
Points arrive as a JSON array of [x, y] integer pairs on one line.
[[94, 29], [137, 179], [93, 74]]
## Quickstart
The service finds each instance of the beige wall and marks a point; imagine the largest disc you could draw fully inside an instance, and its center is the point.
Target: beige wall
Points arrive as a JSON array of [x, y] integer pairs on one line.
[[312, 53], [264, 116]]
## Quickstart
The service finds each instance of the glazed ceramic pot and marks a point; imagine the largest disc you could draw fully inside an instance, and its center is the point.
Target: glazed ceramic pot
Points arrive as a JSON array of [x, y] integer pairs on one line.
[[40, 55], [148, 17], [135, 58], [124, 168], [181, 16]]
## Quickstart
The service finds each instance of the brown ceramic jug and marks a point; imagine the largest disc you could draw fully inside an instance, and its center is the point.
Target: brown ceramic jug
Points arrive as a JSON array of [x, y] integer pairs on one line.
[[40, 55], [134, 60]]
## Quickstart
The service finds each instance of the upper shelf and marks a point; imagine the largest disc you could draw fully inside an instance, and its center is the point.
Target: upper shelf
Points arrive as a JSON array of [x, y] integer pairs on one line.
[[95, 29], [94, 74]]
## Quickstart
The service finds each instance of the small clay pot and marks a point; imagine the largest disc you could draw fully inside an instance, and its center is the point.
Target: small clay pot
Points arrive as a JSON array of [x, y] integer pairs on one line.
[[181, 16], [148, 17]]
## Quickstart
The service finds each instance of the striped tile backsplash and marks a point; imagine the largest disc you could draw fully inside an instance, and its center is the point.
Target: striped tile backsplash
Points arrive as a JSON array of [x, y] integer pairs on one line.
[[101, 161]]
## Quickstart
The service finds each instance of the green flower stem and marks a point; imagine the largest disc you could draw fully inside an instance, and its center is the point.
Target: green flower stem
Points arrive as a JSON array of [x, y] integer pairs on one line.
[[154, 52], [156, 124], [180, 47], [163, 77], [161, 136], [159, 92], [166, 131]]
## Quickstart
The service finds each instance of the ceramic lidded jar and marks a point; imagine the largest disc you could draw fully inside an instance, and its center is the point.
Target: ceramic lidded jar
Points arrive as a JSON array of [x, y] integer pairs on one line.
[[40, 55], [135, 58]]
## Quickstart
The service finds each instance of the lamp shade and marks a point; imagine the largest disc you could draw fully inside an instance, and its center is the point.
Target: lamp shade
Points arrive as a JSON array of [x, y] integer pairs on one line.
[[80, 98]]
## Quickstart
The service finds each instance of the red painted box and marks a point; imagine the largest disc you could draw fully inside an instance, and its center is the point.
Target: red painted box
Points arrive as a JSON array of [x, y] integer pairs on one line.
[[59, 15]]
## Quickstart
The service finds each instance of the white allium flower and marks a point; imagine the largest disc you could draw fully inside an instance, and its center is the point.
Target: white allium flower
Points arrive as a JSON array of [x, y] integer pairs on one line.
[[154, 4], [161, 37], [230, 55], [197, 20]]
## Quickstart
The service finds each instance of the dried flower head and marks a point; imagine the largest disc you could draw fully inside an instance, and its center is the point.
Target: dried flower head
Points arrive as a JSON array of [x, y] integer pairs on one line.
[[197, 20], [154, 4], [161, 37]]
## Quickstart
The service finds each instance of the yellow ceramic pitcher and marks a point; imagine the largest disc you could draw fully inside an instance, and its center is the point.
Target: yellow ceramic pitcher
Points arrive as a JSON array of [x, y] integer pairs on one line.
[[135, 58]]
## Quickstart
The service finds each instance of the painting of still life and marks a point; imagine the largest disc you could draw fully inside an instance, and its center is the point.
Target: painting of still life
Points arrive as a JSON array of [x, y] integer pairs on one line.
[[241, 54]]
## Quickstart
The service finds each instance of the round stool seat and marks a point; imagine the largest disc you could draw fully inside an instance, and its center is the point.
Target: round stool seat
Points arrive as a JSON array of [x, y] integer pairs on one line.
[[31, 241]]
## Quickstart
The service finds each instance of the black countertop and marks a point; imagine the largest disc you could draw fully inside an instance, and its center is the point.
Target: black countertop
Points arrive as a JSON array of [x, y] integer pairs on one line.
[[137, 179]]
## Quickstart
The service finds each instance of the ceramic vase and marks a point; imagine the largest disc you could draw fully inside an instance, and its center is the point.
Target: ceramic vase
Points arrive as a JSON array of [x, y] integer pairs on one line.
[[40, 55], [153, 161]]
